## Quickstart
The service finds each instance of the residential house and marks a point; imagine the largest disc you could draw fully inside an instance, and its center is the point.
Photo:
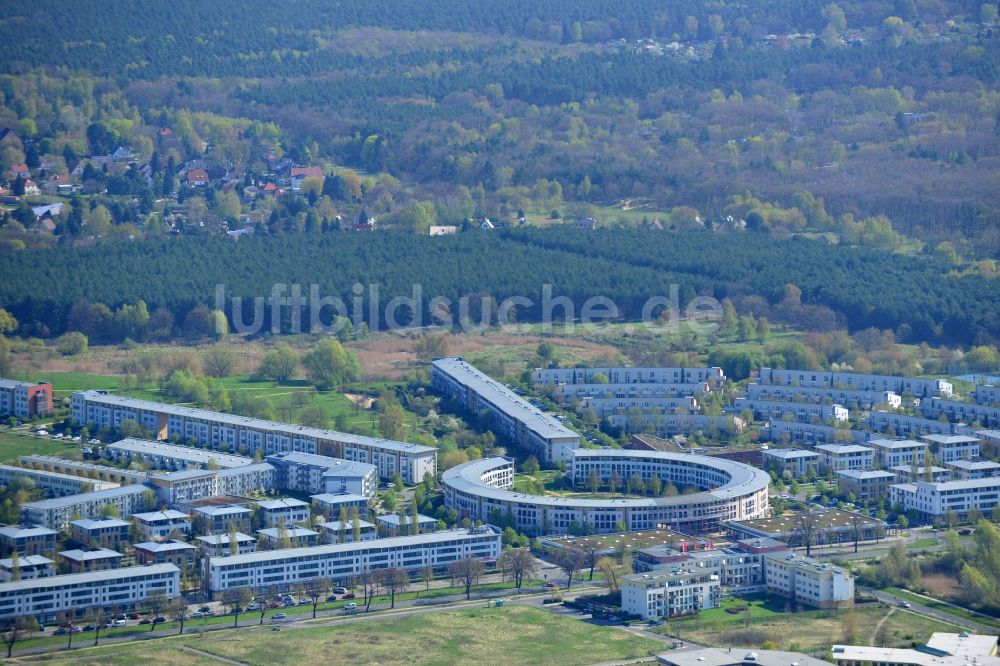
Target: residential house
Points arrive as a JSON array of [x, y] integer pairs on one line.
[[158, 525], [27, 540], [80, 560], [180, 554], [28, 567], [220, 545], [298, 537], [101, 532]]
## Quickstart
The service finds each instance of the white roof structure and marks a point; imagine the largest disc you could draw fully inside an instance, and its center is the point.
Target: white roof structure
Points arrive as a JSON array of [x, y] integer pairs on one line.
[[186, 453], [38, 584]]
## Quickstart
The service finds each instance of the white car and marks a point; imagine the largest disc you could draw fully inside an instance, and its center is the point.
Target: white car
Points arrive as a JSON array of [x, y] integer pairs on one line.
[[351, 606]]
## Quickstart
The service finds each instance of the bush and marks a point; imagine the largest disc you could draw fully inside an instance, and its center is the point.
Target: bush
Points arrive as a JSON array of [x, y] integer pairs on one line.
[[71, 344]]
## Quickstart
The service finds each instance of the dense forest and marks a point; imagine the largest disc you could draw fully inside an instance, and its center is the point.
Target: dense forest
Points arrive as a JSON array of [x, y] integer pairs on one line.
[[812, 284], [831, 116]]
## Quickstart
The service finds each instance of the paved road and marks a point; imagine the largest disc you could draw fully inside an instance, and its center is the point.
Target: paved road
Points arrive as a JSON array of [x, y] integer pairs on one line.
[[921, 609]]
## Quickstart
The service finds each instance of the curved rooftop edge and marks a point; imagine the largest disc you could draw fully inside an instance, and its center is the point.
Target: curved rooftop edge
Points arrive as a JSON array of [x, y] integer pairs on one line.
[[480, 487]]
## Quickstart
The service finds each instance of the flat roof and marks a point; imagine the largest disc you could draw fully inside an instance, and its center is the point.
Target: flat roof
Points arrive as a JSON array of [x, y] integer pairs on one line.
[[188, 453], [335, 498], [166, 514], [897, 444], [972, 465], [95, 496], [164, 546], [392, 519], [743, 480], [334, 525], [962, 484], [950, 439], [508, 402], [222, 510], [865, 474], [25, 561], [826, 518], [21, 532], [258, 424], [333, 466], [95, 523], [788, 454], [293, 532], [844, 448], [81, 555], [283, 503], [920, 469], [631, 540], [56, 475], [216, 539], [85, 578], [391, 542]]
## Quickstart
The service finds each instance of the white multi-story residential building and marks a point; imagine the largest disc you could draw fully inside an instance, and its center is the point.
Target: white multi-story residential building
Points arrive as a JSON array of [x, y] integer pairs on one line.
[[25, 399], [987, 416], [836, 457], [806, 412], [113, 588], [808, 581], [902, 425], [330, 505], [170, 457], [124, 477], [852, 399], [227, 432], [220, 545], [179, 553], [297, 537], [79, 560], [895, 452], [293, 511], [933, 500], [101, 532], [948, 448], [568, 394], [793, 463], [987, 394], [907, 473], [974, 469], [603, 407], [53, 484], [193, 484], [865, 484], [336, 532], [789, 432], [279, 569], [918, 388], [989, 441], [313, 474], [728, 490], [666, 423], [28, 567], [55, 513], [218, 519], [393, 526], [517, 420], [665, 593], [27, 540], [158, 525], [629, 376]]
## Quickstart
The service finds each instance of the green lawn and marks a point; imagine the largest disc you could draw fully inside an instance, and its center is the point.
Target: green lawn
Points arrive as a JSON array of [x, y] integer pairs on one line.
[[510, 635], [14, 444], [923, 543]]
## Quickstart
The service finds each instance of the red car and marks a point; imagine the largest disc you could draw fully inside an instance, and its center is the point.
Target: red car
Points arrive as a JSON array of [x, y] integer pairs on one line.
[[134, 616], [349, 595], [550, 584]]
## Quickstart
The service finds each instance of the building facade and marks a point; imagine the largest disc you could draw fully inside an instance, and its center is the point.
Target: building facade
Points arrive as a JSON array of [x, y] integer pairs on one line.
[[25, 399], [55, 513]]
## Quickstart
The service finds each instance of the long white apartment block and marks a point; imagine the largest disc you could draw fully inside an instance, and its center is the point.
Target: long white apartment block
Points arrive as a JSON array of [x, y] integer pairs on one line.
[[934, 499], [161, 455], [231, 433], [123, 477], [792, 432], [622, 375], [55, 513], [341, 562], [111, 588], [53, 483], [613, 405], [193, 484], [988, 416], [915, 386], [903, 425], [799, 411], [854, 399], [567, 394], [514, 418]]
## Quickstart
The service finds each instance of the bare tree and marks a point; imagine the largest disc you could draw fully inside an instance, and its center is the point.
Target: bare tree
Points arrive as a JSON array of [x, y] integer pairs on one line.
[[178, 608], [610, 569], [316, 589], [393, 580], [467, 570], [518, 563], [235, 601], [591, 551], [15, 628], [97, 617], [807, 527], [156, 602], [427, 575], [570, 560], [370, 582], [65, 619], [857, 529]]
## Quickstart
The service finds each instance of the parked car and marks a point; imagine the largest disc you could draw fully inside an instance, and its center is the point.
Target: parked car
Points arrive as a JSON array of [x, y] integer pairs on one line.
[[351, 606], [89, 627], [195, 615], [61, 631], [350, 595], [305, 601], [159, 619], [119, 623], [204, 609], [134, 616], [145, 620], [340, 590], [550, 584], [904, 604], [332, 597], [255, 606], [279, 616]]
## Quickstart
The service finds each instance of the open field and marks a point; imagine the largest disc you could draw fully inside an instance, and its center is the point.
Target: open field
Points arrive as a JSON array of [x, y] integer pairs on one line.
[[14, 444], [811, 631], [511, 635]]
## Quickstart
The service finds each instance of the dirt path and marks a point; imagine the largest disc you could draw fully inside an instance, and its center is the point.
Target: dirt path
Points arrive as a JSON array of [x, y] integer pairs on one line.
[[871, 641], [202, 653]]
